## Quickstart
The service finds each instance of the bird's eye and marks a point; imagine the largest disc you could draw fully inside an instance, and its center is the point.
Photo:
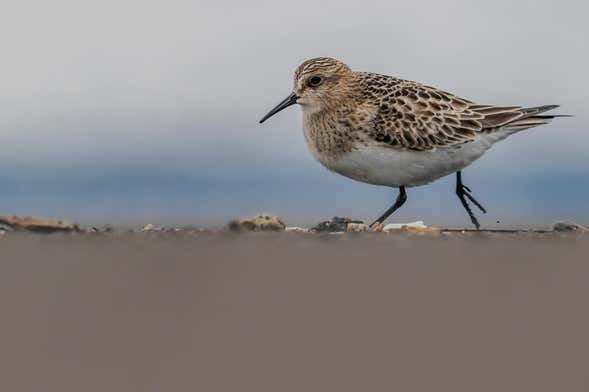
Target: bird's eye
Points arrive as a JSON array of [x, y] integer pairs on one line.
[[315, 81]]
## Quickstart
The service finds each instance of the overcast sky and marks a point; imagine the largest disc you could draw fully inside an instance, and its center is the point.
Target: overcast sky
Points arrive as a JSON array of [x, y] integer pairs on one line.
[[149, 109]]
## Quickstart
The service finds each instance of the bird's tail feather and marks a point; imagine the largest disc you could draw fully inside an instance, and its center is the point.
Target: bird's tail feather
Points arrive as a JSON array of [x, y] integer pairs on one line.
[[532, 117], [514, 117]]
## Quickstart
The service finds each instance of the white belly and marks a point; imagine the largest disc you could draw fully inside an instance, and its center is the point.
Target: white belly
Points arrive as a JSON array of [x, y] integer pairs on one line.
[[393, 167]]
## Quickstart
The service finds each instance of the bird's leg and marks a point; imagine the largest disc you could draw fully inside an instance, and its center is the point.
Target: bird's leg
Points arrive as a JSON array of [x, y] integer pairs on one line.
[[462, 191], [401, 199]]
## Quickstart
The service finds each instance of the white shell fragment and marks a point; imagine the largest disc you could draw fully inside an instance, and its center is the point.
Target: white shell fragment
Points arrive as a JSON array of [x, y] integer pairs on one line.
[[399, 226], [295, 229]]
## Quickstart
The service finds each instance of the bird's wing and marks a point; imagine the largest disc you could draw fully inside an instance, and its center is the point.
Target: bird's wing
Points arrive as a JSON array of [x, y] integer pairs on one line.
[[419, 117]]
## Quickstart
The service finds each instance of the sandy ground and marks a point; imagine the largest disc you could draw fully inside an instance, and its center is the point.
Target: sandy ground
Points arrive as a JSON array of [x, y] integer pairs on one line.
[[286, 312]]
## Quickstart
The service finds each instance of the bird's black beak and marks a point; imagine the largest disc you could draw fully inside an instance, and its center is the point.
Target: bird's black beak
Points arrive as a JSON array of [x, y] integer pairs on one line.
[[290, 100]]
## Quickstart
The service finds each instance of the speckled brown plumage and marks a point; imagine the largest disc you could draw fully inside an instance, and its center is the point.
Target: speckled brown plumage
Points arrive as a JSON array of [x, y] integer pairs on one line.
[[367, 107], [420, 117]]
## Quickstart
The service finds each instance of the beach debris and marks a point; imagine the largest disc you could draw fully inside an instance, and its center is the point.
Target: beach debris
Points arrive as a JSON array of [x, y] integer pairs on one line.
[[260, 222], [353, 227], [151, 227], [38, 225], [399, 226], [417, 227], [422, 230], [568, 226], [295, 229], [336, 224]]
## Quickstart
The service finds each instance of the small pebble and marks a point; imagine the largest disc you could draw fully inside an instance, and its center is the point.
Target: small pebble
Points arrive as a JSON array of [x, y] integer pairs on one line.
[[567, 226], [295, 229], [261, 222], [357, 228], [151, 227], [336, 224]]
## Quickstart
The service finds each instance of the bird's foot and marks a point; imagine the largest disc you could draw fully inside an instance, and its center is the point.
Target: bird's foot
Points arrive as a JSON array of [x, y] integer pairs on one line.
[[464, 193], [464, 190], [376, 226]]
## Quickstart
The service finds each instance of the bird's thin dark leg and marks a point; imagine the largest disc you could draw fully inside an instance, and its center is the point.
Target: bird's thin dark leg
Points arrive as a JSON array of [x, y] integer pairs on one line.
[[463, 191], [401, 199]]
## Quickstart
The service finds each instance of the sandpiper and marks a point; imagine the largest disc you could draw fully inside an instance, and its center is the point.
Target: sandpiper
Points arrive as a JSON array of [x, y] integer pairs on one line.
[[387, 131]]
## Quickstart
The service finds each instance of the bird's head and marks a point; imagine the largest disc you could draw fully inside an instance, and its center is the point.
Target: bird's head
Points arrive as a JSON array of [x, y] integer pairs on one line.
[[319, 84]]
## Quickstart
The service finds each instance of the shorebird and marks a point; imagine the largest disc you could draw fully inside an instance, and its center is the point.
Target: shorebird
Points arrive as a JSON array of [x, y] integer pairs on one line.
[[388, 131]]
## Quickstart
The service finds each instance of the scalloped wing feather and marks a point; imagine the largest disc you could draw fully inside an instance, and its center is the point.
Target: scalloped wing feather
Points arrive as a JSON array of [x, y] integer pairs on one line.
[[419, 117]]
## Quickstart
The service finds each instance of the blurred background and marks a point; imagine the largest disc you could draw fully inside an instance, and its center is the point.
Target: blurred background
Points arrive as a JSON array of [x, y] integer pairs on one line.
[[125, 112]]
